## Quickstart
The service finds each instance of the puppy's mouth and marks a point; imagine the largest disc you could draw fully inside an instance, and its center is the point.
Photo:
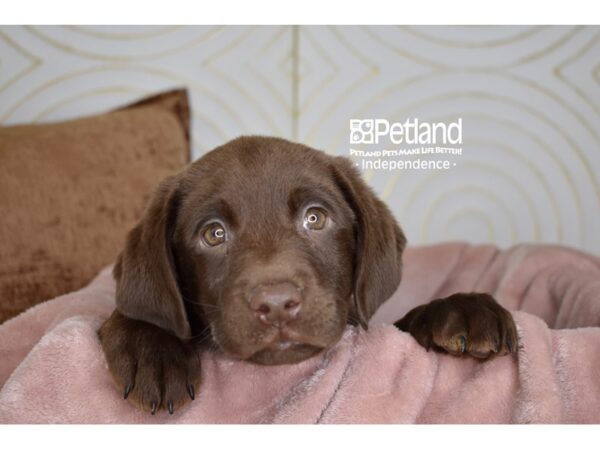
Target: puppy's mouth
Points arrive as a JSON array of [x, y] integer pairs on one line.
[[284, 344], [284, 347], [277, 346], [285, 352]]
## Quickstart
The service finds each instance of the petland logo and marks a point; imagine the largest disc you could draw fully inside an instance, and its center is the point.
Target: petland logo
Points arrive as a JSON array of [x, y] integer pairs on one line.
[[411, 145], [411, 132]]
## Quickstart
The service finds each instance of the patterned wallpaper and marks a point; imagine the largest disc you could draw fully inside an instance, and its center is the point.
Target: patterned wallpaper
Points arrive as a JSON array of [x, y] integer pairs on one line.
[[529, 99]]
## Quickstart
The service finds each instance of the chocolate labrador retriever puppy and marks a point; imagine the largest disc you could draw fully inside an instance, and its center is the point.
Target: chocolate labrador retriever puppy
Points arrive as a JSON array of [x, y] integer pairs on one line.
[[269, 248]]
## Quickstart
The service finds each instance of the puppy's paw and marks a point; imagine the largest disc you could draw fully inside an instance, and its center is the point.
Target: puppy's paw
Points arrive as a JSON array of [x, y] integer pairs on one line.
[[463, 324], [154, 369]]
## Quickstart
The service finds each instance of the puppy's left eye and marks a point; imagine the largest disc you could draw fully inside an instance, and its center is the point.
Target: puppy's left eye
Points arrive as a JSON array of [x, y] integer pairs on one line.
[[315, 219], [214, 234]]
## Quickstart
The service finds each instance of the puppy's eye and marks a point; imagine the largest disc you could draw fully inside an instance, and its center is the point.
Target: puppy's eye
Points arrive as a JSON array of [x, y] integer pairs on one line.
[[315, 219], [214, 234]]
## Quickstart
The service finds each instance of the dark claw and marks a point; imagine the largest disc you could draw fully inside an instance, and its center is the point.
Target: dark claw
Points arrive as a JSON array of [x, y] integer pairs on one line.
[[153, 405], [509, 345], [463, 344], [170, 406], [190, 389], [127, 391]]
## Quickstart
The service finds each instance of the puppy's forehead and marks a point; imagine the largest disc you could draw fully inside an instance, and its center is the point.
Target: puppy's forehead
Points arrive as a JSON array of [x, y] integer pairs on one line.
[[268, 156], [261, 173]]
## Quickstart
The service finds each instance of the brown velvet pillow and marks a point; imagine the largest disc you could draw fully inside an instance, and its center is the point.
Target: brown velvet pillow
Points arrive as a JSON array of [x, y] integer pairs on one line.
[[70, 192]]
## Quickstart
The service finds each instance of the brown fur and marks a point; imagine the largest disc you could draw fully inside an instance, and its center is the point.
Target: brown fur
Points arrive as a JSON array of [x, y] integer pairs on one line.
[[173, 291]]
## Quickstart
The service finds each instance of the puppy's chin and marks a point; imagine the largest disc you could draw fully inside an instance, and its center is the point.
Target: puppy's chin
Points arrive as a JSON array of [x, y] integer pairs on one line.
[[285, 354], [273, 346]]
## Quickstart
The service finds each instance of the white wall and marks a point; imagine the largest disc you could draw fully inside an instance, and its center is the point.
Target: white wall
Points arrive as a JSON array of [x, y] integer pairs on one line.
[[529, 98]]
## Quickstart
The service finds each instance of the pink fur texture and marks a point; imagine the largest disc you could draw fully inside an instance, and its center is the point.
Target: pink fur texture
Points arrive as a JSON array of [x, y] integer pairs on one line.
[[52, 369]]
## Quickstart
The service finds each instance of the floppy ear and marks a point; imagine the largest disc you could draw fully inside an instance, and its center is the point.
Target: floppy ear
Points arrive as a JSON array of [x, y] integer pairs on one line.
[[379, 243], [147, 287]]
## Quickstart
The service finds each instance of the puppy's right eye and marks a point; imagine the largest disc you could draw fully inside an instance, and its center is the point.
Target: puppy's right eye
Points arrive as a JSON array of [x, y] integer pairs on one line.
[[214, 234]]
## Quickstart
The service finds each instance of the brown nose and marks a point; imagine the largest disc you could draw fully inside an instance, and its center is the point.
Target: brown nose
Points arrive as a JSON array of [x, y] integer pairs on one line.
[[276, 304]]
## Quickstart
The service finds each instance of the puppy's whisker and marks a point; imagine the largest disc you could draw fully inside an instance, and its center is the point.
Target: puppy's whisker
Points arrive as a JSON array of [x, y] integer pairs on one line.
[[204, 334], [206, 305], [204, 338]]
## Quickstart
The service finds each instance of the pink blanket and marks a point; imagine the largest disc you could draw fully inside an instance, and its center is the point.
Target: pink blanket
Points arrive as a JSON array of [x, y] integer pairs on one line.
[[52, 369]]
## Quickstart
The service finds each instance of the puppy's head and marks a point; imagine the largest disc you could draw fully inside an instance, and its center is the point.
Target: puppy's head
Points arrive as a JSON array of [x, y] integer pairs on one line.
[[271, 246]]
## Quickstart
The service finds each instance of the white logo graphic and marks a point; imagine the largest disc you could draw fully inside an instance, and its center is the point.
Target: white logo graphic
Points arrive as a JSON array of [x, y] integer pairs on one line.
[[361, 131]]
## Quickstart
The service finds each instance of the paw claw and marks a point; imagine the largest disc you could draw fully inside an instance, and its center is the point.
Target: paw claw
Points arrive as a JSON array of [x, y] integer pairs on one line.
[[190, 389], [170, 407], [463, 344], [153, 405], [127, 391]]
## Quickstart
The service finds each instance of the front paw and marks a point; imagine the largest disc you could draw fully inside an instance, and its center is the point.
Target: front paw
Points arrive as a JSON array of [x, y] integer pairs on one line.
[[463, 324], [154, 369]]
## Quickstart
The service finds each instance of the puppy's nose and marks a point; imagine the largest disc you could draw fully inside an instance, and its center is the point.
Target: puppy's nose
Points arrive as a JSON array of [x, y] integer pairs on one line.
[[276, 304]]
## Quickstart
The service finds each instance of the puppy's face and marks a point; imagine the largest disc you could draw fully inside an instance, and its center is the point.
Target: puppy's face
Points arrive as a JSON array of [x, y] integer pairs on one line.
[[270, 245], [266, 251]]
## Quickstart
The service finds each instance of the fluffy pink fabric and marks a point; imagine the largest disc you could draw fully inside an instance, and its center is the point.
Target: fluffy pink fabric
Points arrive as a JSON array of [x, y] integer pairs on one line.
[[53, 371]]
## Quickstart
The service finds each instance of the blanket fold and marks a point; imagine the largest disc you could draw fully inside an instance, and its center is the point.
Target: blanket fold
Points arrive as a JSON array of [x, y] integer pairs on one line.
[[52, 369]]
